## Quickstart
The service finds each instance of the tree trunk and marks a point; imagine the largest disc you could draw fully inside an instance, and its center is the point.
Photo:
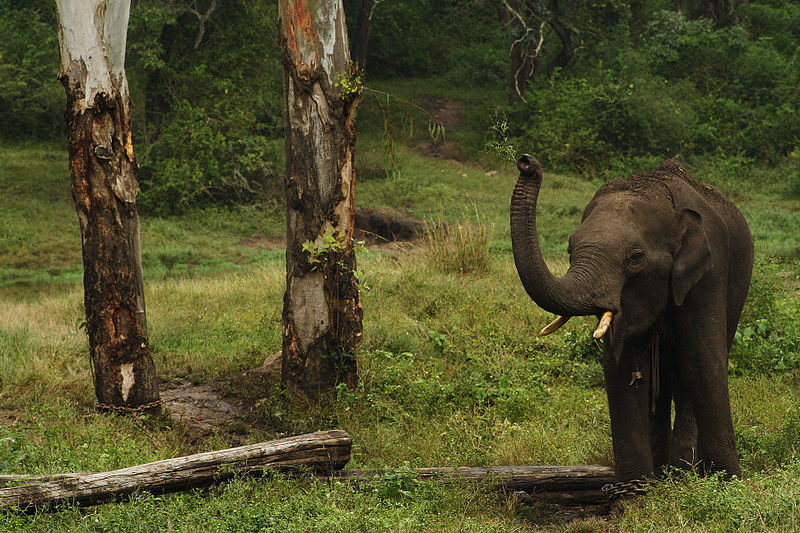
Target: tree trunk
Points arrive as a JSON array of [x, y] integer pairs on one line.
[[92, 38], [322, 306], [361, 37], [523, 70], [322, 451], [564, 34]]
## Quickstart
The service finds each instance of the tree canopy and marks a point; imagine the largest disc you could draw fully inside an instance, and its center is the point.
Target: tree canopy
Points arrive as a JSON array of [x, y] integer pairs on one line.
[[651, 78]]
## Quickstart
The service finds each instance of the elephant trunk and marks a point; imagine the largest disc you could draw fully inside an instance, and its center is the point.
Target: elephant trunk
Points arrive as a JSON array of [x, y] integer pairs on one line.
[[568, 295]]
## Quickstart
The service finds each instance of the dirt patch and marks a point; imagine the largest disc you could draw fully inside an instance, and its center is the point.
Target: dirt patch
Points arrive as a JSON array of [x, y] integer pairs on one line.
[[203, 409], [554, 516], [378, 228], [448, 112]]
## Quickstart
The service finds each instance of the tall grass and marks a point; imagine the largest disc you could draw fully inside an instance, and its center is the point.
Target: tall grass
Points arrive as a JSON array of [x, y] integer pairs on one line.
[[461, 246]]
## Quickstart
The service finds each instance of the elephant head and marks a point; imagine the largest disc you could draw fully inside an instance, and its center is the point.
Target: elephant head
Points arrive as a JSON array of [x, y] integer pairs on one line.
[[632, 255]]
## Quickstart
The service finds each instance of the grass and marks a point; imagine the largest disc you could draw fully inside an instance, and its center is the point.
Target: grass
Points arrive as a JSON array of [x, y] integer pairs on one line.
[[451, 369]]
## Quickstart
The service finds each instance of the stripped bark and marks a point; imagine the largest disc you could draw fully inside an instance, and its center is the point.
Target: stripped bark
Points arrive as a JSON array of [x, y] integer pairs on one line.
[[322, 306], [92, 37], [322, 451]]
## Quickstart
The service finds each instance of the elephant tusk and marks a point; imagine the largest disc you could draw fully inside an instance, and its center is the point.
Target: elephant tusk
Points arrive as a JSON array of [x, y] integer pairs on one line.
[[554, 325], [605, 321]]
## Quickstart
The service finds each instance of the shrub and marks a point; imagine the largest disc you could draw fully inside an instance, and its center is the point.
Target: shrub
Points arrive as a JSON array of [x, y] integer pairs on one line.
[[583, 124], [765, 340], [201, 159], [32, 101], [679, 47]]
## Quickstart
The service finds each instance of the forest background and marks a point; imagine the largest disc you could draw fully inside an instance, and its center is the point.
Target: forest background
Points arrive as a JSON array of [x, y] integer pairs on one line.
[[716, 84]]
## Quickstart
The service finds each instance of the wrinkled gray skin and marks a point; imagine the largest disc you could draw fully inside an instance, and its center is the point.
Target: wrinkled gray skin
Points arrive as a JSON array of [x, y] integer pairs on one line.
[[671, 258]]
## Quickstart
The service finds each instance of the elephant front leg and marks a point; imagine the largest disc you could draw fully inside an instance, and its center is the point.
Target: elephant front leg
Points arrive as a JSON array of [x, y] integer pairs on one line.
[[628, 390]]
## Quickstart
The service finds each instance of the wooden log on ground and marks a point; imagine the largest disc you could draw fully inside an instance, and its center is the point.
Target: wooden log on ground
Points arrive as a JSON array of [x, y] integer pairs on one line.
[[24, 479], [324, 451], [514, 478]]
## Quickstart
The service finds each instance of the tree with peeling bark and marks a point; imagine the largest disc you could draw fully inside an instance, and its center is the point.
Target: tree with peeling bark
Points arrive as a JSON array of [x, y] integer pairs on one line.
[[322, 306], [92, 35]]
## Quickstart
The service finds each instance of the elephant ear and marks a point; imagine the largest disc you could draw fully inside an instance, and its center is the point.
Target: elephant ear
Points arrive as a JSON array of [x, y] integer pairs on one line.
[[693, 255]]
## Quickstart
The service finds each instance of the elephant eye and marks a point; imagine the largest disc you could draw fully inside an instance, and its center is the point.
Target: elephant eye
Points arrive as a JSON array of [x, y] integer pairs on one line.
[[636, 257]]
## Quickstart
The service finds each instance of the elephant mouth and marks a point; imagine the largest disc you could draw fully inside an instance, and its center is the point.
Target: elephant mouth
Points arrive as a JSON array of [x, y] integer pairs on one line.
[[602, 327]]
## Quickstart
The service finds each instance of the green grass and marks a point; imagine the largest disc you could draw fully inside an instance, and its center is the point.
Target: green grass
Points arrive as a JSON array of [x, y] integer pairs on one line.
[[451, 369]]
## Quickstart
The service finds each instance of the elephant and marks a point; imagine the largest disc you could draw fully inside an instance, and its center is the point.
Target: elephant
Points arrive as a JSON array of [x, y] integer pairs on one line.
[[665, 262]]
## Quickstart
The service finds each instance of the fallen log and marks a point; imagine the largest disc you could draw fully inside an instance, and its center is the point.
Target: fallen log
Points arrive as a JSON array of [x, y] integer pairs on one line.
[[323, 451], [530, 479]]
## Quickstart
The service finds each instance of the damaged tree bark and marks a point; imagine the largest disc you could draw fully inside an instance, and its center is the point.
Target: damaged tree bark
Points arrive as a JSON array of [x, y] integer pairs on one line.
[[92, 37], [322, 307]]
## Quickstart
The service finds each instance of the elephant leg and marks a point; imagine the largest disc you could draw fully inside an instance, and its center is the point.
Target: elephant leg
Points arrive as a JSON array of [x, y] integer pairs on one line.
[[629, 407], [683, 446], [703, 363], [660, 418]]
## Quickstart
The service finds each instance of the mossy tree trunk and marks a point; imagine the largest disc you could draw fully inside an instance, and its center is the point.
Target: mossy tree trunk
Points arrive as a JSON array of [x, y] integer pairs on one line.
[[322, 306], [92, 35]]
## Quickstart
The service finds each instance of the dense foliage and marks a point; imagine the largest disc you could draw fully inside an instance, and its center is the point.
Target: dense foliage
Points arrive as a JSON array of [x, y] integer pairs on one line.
[[644, 81], [667, 84]]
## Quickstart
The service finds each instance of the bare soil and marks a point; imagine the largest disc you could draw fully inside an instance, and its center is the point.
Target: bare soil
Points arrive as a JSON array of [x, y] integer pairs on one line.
[[383, 229], [448, 112], [202, 409]]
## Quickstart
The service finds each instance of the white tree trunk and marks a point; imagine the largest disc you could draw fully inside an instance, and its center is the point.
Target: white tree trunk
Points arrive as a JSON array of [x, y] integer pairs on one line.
[[322, 308], [92, 35]]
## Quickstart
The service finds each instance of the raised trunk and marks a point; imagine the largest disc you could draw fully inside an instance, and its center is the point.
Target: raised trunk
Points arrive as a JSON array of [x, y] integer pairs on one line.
[[103, 166], [569, 295], [322, 306]]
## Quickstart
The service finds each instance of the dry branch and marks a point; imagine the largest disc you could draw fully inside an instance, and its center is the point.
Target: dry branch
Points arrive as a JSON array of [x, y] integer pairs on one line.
[[323, 450]]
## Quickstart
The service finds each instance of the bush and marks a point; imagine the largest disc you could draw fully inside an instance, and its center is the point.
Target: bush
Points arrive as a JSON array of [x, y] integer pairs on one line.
[[766, 339], [583, 124], [213, 131], [32, 101], [200, 159], [678, 47]]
